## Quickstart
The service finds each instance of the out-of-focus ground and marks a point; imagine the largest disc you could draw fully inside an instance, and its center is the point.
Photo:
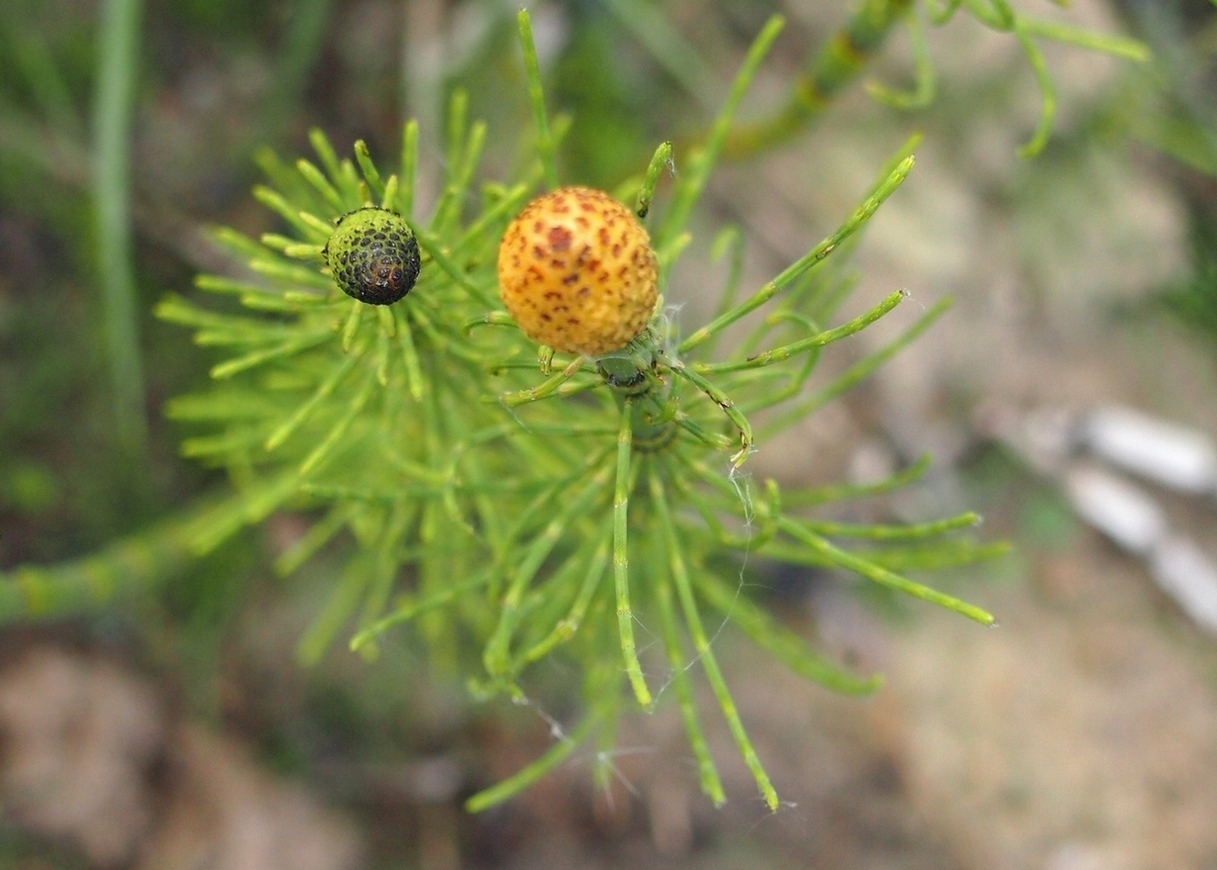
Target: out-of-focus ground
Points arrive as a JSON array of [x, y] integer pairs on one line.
[[1080, 734]]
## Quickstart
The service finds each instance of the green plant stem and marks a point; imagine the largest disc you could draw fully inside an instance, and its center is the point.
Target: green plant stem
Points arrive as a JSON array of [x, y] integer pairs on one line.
[[521, 780], [113, 110], [621, 559], [860, 216], [837, 64], [880, 575], [546, 147], [120, 571], [779, 641], [856, 373], [661, 159], [820, 339], [701, 161], [707, 772], [701, 642]]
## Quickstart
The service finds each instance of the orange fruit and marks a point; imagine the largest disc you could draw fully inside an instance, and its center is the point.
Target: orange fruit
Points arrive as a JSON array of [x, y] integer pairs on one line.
[[577, 272]]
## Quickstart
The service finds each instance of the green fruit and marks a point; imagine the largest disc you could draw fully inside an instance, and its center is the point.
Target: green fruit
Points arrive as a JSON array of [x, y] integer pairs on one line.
[[373, 256]]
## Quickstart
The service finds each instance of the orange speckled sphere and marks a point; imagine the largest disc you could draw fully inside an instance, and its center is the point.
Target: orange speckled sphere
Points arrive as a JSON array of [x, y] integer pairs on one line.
[[577, 272]]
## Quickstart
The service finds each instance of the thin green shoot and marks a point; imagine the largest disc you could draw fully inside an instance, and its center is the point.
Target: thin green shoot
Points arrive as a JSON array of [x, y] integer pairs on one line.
[[694, 176], [409, 169], [568, 626], [924, 82], [860, 216], [701, 642], [882, 576], [371, 174], [323, 186], [554, 756], [546, 148], [855, 373], [409, 353], [113, 114], [621, 560], [1039, 66], [497, 657], [783, 644], [662, 159], [332, 438], [324, 390], [820, 339], [728, 407], [707, 772], [904, 532]]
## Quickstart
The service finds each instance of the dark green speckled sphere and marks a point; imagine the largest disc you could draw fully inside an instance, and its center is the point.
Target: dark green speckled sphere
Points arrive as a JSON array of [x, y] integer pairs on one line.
[[373, 256]]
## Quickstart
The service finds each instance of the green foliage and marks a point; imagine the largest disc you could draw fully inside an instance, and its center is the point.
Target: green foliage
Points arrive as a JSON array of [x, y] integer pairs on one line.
[[506, 519]]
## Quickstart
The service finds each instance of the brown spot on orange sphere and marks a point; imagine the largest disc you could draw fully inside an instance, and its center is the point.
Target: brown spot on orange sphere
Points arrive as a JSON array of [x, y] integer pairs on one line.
[[577, 272]]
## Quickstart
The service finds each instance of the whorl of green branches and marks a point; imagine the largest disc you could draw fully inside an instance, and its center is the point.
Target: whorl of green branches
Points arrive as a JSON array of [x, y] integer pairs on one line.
[[510, 518]]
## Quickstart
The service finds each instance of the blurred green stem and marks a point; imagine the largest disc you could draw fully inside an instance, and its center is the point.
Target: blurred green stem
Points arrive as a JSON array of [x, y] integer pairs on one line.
[[113, 110], [122, 570], [837, 64]]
